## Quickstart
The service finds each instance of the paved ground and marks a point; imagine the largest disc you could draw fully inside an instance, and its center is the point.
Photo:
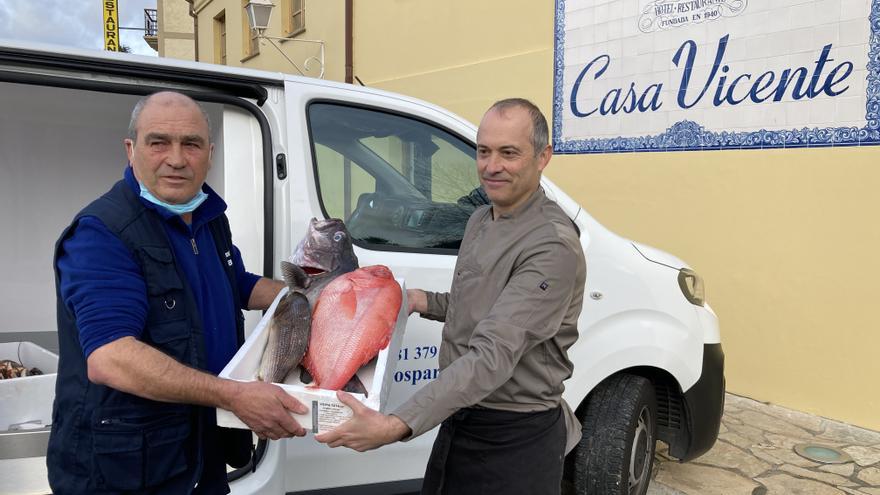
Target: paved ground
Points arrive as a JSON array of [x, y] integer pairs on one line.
[[755, 455]]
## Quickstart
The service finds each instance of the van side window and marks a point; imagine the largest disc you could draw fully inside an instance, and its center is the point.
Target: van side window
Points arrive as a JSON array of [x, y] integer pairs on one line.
[[398, 182]]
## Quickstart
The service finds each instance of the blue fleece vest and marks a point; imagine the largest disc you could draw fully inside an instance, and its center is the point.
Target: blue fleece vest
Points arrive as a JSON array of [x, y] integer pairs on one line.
[[107, 441]]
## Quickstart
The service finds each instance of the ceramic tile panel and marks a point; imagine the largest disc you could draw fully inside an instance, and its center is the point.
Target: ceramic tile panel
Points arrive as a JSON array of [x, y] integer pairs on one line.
[[654, 75], [851, 32]]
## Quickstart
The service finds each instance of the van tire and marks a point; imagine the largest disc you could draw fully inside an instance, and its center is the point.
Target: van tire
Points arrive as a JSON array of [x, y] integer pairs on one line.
[[616, 453]]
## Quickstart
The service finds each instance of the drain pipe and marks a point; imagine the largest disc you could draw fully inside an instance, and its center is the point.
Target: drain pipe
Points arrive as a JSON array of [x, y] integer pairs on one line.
[[349, 35], [192, 13]]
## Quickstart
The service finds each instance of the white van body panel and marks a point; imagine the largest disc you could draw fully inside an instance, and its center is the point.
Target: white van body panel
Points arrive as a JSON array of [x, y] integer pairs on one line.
[[270, 474]]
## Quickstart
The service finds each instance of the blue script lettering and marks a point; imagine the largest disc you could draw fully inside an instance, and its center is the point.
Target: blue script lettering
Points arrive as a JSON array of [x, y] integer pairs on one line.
[[615, 100], [799, 80], [691, 47], [795, 83]]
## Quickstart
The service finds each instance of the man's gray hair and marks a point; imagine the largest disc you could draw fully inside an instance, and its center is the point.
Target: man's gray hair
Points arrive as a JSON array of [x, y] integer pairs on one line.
[[139, 107], [540, 133]]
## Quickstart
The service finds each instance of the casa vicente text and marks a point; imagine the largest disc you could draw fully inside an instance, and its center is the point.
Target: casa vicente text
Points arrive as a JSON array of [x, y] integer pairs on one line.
[[724, 85]]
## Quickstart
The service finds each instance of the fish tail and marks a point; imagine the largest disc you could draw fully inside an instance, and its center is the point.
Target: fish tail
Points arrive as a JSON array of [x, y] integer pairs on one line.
[[355, 386], [305, 376]]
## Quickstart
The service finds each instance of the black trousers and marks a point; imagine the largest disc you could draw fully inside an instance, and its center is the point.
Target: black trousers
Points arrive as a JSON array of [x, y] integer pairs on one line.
[[489, 452]]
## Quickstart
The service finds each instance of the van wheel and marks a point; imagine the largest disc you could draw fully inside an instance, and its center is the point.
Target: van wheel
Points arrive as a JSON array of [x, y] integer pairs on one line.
[[616, 452]]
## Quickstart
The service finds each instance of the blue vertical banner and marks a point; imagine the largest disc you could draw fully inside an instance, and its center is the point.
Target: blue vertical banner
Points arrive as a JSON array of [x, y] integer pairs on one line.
[[679, 75]]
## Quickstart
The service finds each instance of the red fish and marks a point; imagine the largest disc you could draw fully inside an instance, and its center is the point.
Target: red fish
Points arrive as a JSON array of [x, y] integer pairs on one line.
[[351, 322]]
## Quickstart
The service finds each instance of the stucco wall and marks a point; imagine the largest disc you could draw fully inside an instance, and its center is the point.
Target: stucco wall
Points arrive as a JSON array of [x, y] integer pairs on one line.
[[323, 20], [175, 30]]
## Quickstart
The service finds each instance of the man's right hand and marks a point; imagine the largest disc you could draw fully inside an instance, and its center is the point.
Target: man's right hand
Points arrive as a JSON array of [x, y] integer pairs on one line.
[[131, 366], [266, 409]]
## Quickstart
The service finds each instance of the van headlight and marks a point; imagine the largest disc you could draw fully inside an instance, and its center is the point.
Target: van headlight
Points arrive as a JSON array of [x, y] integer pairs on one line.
[[692, 286]]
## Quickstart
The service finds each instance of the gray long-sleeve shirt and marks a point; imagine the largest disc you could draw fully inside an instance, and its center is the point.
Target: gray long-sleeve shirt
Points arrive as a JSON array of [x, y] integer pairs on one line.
[[510, 317]]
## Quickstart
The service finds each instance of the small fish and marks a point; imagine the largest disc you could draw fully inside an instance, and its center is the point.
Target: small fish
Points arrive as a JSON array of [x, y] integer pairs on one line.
[[323, 254], [12, 369]]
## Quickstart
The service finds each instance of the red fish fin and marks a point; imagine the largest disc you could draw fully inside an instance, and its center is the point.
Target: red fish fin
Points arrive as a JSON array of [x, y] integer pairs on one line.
[[348, 303]]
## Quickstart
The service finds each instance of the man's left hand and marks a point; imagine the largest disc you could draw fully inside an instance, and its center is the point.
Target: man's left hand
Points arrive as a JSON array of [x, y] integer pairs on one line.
[[366, 430]]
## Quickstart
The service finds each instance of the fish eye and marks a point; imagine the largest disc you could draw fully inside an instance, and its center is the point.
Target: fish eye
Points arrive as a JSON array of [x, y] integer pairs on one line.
[[338, 236]]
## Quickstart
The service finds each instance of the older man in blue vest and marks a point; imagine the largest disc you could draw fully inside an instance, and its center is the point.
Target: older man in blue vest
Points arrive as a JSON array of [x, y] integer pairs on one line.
[[150, 297]]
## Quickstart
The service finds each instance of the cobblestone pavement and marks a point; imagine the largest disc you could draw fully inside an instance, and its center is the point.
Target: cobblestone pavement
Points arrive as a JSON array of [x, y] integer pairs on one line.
[[755, 455]]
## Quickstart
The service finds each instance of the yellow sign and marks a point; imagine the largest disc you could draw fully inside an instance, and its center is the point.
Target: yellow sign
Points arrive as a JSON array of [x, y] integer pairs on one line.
[[111, 25]]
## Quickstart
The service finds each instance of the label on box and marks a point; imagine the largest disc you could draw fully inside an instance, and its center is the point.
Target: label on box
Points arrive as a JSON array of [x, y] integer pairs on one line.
[[328, 415]]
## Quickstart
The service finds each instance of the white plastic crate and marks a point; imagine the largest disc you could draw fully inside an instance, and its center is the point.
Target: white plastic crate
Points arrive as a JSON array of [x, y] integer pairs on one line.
[[26, 402], [325, 410]]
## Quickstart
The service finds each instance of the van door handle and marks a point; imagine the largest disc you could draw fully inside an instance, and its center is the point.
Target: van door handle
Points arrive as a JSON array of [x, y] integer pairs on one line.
[[281, 166]]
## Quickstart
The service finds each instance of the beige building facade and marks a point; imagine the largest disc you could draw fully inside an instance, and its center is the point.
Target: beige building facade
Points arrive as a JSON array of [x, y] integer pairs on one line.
[[784, 238], [175, 30], [300, 33]]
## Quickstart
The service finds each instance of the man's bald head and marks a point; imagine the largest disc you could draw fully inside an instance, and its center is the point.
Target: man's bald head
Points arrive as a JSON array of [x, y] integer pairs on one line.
[[164, 98]]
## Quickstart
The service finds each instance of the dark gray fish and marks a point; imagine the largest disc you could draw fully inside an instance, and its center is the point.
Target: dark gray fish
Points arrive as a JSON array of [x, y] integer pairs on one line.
[[288, 341], [324, 253]]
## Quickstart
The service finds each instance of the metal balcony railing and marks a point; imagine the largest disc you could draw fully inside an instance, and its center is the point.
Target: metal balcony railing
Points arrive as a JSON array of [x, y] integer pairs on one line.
[[151, 22]]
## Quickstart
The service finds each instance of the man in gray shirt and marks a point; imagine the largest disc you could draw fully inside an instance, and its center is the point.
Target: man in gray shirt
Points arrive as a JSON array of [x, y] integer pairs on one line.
[[510, 317]]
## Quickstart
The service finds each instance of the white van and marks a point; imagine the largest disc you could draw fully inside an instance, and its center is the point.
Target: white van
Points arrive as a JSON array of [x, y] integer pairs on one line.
[[401, 172]]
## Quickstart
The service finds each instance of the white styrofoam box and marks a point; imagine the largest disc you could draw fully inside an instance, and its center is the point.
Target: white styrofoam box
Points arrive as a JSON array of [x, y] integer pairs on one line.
[[28, 400], [325, 410]]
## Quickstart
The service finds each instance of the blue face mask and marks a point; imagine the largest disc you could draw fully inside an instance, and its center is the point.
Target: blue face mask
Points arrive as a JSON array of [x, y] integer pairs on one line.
[[188, 207]]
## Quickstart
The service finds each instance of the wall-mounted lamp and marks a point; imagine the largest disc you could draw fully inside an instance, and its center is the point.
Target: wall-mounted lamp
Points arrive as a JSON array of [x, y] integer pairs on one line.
[[259, 12]]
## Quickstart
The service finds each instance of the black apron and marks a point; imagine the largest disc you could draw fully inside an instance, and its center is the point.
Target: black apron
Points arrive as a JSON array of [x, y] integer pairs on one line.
[[482, 451]]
